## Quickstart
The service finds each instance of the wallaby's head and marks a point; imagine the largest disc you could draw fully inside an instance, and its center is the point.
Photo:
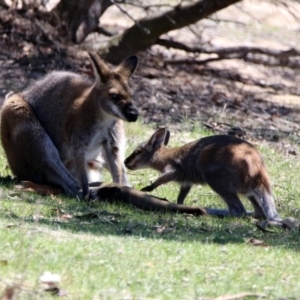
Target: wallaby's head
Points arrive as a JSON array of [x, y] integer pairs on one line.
[[113, 89], [141, 157]]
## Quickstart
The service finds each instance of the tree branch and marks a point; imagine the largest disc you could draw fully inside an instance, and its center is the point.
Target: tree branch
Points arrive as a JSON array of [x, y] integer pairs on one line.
[[3, 4], [129, 16], [81, 17], [134, 39], [256, 55], [103, 31]]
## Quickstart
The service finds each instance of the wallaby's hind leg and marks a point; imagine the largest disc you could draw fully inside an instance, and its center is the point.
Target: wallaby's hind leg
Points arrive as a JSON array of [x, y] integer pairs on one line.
[[30, 152], [56, 172], [235, 206], [264, 206]]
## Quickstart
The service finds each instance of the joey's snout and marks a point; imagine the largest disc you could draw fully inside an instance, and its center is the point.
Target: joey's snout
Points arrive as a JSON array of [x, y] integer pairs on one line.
[[127, 163], [131, 113]]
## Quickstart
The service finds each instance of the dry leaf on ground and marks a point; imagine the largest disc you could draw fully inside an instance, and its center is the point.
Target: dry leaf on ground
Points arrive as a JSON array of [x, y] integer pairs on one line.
[[256, 242], [45, 190], [240, 296], [8, 293]]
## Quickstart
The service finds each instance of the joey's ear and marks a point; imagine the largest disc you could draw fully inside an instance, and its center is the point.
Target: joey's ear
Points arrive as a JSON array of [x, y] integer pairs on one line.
[[157, 139], [167, 137], [101, 70], [127, 66]]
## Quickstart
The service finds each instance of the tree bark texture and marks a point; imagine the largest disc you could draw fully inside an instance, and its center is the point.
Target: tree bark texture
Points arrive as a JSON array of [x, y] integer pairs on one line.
[[145, 32], [3, 4], [81, 17]]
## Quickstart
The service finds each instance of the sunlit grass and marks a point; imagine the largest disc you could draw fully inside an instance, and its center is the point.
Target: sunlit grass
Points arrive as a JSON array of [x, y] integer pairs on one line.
[[112, 251]]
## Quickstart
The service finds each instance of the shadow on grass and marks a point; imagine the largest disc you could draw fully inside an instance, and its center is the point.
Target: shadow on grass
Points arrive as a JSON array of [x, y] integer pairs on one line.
[[102, 218], [106, 219]]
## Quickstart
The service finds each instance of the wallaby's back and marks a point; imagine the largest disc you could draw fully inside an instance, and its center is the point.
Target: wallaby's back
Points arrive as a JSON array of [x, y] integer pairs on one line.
[[235, 163], [229, 165], [56, 98], [30, 152]]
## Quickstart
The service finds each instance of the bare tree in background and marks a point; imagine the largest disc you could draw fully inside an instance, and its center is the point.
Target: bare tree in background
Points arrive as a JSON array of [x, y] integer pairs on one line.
[[145, 32], [80, 18], [75, 20]]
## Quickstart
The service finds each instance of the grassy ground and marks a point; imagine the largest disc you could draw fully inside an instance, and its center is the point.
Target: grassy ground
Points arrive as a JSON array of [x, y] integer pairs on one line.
[[110, 251]]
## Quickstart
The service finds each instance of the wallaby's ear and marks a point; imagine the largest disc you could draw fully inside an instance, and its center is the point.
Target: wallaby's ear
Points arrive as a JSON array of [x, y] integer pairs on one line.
[[127, 67], [167, 137], [101, 70], [157, 139]]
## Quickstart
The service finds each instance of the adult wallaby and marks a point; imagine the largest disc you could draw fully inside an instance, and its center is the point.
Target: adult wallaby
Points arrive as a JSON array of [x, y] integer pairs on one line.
[[66, 124], [229, 165]]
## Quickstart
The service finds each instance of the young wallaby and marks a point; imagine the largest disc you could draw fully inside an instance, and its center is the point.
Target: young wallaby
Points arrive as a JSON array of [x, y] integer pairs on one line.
[[66, 124], [229, 165]]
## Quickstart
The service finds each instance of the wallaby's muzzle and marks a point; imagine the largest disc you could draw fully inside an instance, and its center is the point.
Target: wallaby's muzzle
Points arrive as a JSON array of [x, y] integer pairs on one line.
[[131, 113], [127, 163]]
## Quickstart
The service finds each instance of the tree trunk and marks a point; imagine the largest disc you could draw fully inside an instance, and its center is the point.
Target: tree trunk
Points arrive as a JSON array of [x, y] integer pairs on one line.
[[3, 3], [144, 34], [81, 17]]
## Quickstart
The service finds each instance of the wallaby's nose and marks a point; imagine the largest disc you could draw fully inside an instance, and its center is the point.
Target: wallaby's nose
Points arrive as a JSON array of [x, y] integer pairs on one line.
[[131, 113], [127, 163]]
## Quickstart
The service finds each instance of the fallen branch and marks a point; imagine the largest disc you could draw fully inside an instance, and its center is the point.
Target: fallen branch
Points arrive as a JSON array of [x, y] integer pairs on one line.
[[227, 52], [240, 296], [256, 55]]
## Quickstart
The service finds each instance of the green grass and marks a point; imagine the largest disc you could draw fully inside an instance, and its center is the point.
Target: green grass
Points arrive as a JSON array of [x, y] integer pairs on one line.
[[110, 251]]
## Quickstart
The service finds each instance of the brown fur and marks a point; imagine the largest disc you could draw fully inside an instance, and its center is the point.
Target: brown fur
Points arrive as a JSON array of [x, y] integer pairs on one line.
[[229, 165], [65, 122]]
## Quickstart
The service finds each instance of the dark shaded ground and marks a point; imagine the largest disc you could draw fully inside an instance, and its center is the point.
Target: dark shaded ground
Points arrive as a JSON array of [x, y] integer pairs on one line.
[[221, 98]]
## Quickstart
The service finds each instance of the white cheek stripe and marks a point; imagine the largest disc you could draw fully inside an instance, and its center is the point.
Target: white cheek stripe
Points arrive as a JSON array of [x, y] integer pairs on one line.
[[115, 109]]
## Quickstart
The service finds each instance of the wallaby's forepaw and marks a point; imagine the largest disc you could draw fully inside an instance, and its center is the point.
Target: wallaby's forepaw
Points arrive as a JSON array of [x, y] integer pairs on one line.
[[147, 189]]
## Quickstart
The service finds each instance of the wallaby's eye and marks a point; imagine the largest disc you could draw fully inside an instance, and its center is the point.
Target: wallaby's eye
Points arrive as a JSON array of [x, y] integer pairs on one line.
[[115, 97], [137, 152]]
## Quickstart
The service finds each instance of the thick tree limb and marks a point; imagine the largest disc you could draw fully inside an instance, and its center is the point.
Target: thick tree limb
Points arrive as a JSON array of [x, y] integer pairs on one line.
[[3, 3], [81, 17], [257, 55], [134, 39]]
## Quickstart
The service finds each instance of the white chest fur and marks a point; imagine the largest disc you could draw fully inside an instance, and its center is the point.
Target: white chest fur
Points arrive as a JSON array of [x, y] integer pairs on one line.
[[101, 135]]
